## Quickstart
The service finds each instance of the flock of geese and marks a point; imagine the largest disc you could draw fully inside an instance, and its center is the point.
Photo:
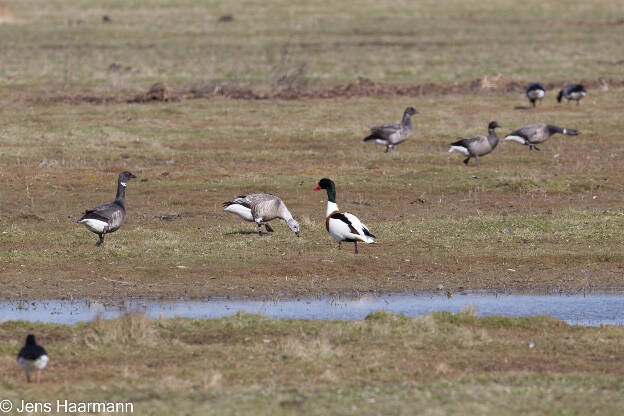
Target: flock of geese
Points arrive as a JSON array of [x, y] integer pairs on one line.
[[341, 225], [344, 226]]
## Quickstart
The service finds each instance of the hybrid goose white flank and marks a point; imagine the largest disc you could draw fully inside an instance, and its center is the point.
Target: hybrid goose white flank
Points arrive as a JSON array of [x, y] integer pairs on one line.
[[572, 92], [107, 218], [478, 145], [535, 91], [392, 134], [534, 134], [341, 225], [261, 208], [32, 357]]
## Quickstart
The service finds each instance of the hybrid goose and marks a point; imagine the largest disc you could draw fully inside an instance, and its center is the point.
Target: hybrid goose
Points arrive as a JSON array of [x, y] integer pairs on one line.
[[341, 225], [106, 219], [32, 357], [261, 208], [534, 134], [478, 145], [535, 91], [572, 92], [392, 134]]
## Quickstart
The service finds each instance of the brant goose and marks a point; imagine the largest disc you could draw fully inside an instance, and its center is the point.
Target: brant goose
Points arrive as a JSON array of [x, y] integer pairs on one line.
[[534, 134], [535, 91], [392, 134], [341, 225], [32, 357], [478, 145], [572, 92], [261, 208], [107, 218]]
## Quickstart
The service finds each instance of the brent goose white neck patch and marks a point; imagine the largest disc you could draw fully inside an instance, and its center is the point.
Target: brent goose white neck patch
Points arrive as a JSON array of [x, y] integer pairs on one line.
[[123, 184]]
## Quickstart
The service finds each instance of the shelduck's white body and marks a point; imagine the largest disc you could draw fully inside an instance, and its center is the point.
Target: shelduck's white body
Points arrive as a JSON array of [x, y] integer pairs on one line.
[[341, 231]]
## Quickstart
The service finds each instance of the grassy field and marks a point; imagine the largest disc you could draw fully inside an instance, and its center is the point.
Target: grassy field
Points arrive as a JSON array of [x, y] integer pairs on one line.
[[327, 72], [57, 47], [438, 222], [386, 364]]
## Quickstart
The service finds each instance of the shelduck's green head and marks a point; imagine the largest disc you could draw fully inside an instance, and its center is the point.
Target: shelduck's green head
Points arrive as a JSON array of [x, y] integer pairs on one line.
[[328, 185]]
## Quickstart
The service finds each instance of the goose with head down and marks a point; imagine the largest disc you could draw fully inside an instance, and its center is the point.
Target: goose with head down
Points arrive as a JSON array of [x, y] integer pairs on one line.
[[572, 92], [535, 91], [261, 208], [534, 134], [342, 225]]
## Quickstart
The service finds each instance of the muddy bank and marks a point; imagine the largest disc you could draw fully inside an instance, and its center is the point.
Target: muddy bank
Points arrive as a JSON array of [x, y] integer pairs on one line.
[[363, 87]]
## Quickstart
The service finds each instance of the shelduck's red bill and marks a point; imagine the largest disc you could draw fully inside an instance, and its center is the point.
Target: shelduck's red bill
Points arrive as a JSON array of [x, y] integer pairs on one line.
[[317, 188]]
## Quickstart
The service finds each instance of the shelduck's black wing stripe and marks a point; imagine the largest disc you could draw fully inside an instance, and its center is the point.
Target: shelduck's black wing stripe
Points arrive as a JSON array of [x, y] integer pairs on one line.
[[341, 217], [366, 232]]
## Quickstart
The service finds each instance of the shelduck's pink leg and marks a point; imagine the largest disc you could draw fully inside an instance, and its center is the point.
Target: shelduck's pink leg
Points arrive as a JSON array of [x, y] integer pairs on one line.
[[355, 242], [339, 245], [38, 376]]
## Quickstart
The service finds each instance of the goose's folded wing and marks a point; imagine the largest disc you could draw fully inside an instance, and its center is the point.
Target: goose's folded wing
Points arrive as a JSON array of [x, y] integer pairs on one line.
[[101, 212], [385, 130]]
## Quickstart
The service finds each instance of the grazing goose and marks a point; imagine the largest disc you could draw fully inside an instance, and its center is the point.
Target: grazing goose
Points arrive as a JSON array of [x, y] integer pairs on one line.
[[572, 92], [535, 91], [32, 357], [534, 134], [392, 134], [107, 218], [341, 225], [261, 208], [478, 145]]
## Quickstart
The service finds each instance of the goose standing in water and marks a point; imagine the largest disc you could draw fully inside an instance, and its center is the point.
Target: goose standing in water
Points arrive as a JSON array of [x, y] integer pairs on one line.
[[342, 225], [261, 208], [105, 219], [535, 91], [32, 357], [534, 134], [392, 134], [478, 145], [572, 92]]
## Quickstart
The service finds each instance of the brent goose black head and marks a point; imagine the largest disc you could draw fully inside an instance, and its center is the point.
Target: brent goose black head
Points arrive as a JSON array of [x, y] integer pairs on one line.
[[411, 111], [493, 125], [32, 357], [124, 177]]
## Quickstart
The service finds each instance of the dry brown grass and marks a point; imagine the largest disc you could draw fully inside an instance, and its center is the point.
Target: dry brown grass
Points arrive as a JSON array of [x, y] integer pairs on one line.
[[253, 365]]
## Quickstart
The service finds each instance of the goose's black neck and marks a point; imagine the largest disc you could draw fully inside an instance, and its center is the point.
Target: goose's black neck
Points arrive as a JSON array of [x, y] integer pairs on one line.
[[407, 120], [554, 129], [121, 194], [493, 138]]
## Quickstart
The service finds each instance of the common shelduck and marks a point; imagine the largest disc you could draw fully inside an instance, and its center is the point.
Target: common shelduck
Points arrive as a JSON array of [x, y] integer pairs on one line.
[[261, 208], [32, 357], [478, 145], [572, 92], [392, 134], [534, 134], [106, 219], [341, 225]]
